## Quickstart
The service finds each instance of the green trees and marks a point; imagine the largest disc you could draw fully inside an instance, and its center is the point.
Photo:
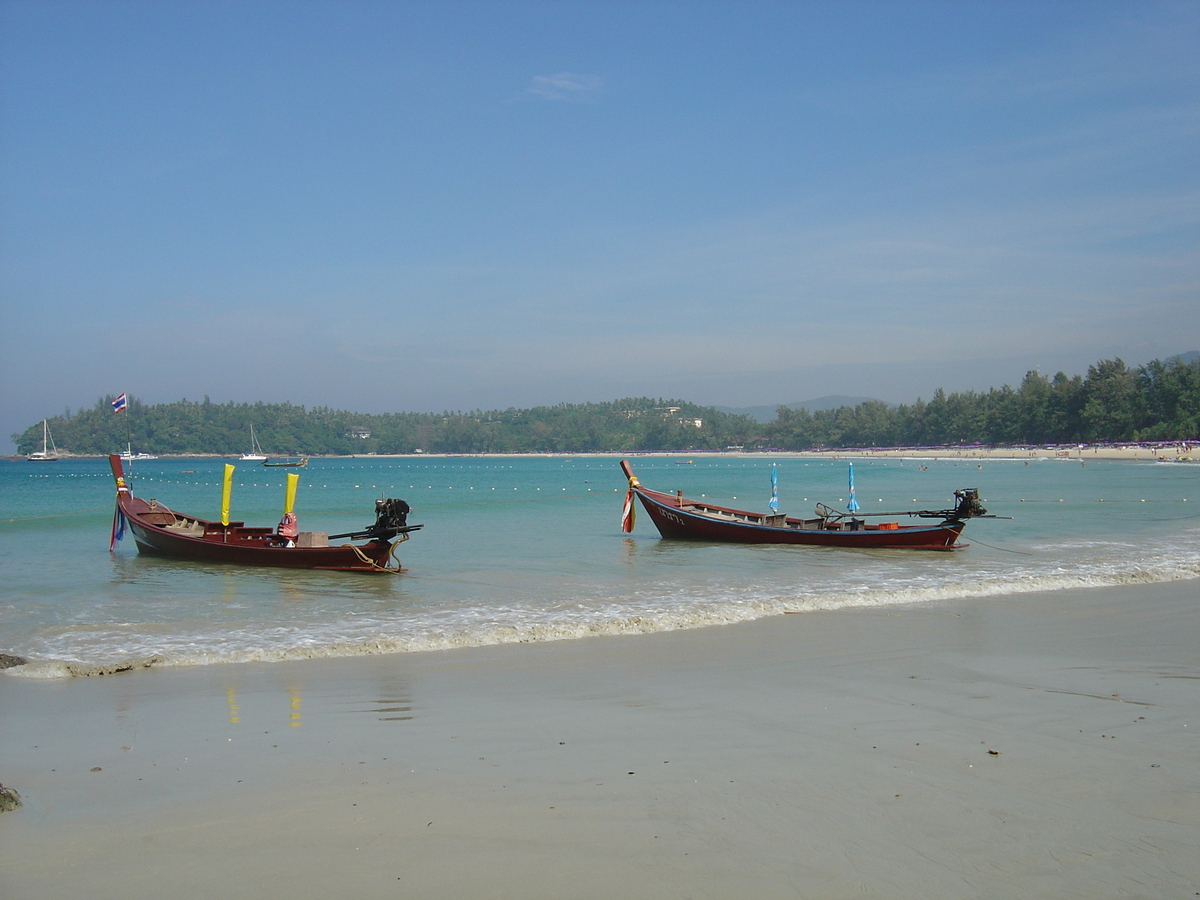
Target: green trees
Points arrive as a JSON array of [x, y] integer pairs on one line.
[[1110, 403], [1169, 398], [1159, 401], [1156, 402], [187, 427]]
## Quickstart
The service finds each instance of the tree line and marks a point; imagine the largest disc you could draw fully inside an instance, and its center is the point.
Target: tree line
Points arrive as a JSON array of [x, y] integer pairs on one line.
[[203, 427], [1159, 401], [1113, 403]]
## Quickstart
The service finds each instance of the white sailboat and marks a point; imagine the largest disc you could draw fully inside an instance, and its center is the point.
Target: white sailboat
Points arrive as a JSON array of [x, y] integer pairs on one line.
[[255, 454], [48, 453]]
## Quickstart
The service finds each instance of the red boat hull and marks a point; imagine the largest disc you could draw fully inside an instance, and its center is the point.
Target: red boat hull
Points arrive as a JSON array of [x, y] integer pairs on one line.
[[677, 517], [160, 531]]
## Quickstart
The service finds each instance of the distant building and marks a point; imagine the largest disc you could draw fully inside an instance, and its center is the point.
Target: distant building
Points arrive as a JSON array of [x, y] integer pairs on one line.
[[360, 433]]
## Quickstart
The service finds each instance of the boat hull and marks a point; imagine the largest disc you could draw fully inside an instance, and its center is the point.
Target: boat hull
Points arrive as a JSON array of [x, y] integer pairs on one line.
[[674, 520]]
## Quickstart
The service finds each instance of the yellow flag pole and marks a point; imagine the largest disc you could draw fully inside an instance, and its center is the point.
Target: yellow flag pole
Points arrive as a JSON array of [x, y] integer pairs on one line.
[[226, 489], [289, 493]]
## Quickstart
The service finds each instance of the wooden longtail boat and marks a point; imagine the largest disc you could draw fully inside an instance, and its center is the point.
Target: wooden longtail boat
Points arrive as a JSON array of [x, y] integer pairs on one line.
[[160, 531], [286, 462], [677, 517]]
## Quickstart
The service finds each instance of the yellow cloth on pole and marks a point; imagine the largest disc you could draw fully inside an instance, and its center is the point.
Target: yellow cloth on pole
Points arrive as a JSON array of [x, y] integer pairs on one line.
[[226, 489], [289, 493]]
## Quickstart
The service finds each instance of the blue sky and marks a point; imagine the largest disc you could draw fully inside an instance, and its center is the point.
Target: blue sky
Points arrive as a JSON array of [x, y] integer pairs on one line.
[[385, 206]]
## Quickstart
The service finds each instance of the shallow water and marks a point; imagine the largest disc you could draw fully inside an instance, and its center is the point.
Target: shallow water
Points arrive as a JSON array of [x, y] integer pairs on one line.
[[528, 549]]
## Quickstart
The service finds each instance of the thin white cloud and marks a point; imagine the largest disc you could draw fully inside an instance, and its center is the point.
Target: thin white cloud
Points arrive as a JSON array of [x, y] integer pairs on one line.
[[564, 86]]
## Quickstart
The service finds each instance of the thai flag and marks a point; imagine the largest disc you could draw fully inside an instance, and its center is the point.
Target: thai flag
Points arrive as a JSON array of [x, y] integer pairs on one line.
[[119, 404]]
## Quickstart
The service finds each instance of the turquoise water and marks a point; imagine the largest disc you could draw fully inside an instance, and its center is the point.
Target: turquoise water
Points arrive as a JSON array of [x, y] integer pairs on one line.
[[530, 549]]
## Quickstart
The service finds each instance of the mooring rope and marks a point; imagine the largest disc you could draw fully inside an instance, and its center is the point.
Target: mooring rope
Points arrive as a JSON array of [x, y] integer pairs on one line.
[[1002, 549], [391, 555]]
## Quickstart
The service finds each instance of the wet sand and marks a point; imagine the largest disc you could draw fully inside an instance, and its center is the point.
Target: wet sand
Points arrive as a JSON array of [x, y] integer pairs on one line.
[[1035, 746]]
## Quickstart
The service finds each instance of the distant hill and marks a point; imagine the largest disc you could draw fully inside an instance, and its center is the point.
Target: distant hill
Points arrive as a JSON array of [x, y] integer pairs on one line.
[[767, 413], [1186, 358]]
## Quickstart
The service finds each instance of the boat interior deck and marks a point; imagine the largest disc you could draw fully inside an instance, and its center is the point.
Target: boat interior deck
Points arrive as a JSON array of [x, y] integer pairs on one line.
[[186, 526], [779, 520]]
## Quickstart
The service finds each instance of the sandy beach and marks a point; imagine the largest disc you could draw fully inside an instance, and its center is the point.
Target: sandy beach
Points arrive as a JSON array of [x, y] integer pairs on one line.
[[1166, 453], [1041, 745]]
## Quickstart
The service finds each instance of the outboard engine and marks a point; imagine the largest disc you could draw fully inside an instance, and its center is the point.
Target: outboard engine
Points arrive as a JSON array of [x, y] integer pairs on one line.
[[968, 505], [391, 519]]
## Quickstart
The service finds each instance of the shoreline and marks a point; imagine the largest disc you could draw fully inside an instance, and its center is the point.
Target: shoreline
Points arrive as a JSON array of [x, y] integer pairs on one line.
[[1178, 451], [824, 754], [50, 670]]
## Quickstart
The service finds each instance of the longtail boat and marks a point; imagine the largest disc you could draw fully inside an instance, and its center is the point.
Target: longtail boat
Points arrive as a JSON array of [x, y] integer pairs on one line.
[[675, 516], [161, 531]]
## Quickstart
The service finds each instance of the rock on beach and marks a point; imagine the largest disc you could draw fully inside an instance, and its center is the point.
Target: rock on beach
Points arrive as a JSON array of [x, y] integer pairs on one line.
[[9, 799]]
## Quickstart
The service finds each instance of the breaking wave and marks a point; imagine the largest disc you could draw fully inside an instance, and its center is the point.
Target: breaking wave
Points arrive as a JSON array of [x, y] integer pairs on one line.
[[647, 610]]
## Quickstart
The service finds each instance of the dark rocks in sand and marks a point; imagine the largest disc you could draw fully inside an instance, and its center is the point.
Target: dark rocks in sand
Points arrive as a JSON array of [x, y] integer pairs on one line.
[[7, 661], [9, 799]]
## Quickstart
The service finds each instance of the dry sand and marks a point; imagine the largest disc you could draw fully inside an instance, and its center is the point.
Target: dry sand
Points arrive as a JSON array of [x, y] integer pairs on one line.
[[1036, 746]]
